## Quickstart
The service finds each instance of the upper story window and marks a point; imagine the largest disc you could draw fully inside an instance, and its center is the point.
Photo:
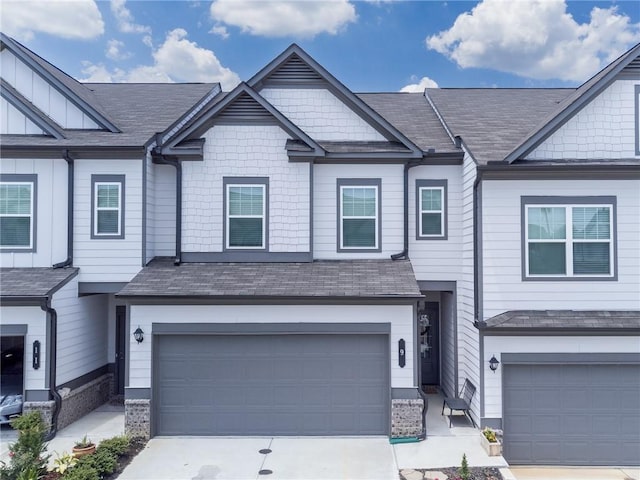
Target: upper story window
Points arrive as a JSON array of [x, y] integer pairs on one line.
[[431, 208], [107, 206], [246, 213], [17, 212], [572, 238], [359, 214]]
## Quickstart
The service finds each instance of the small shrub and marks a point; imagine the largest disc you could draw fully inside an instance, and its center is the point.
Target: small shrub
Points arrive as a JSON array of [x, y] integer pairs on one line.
[[103, 461], [82, 471], [490, 435], [116, 445], [464, 471], [28, 453]]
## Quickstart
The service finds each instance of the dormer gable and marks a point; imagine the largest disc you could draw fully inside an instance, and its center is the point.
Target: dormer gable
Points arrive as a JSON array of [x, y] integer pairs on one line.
[[21, 117]]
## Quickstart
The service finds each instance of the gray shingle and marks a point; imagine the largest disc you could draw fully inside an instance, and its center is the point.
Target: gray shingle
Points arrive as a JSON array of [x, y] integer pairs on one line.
[[348, 279], [33, 282], [565, 319]]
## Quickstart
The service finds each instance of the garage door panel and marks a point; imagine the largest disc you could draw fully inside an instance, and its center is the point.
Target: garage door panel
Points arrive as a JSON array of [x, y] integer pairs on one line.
[[279, 385], [582, 423]]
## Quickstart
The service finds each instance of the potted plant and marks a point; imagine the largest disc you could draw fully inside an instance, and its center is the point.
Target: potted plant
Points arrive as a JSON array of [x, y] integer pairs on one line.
[[84, 447], [489, 440]]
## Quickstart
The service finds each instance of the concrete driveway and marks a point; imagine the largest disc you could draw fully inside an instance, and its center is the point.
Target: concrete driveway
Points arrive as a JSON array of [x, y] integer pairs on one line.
[[575, 473], [208, 458]]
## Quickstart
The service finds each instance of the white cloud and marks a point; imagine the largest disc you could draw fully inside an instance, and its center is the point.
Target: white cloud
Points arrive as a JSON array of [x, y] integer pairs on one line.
[[536, 39], [303, 19], [126, 23], [176, 60], [79, 19], [220, 30], [425, 82], [115, 51]]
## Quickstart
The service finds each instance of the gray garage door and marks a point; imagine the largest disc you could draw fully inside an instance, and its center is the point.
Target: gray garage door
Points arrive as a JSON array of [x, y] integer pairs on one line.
[[572, 414], [271, 385]]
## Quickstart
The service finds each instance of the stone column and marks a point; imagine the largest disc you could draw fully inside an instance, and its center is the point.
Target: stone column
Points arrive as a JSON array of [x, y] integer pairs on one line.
[[137, 418], [46, 410], [406, 417]]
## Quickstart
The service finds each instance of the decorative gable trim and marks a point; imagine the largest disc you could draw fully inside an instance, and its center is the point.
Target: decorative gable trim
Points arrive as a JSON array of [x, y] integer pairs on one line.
[[296, 68], [574, 103], [241, 106], [30, 111], [42, 68]]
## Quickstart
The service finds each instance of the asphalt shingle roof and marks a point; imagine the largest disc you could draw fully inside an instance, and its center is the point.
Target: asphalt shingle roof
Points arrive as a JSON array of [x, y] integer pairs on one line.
[[493, 121], [348, 279], [33, 282], [565, 319]]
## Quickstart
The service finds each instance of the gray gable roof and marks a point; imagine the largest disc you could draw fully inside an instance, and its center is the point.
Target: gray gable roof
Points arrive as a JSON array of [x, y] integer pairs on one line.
[[33, 282], [564, 320], [493, 121], [344, 279]]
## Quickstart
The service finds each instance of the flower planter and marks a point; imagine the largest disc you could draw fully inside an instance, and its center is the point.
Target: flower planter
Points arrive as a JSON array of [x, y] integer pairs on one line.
[[493, 449], [82, 451]]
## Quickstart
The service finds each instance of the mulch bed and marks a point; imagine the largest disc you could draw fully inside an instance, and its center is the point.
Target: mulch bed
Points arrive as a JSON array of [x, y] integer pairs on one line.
[[135, 447], [476, 473]]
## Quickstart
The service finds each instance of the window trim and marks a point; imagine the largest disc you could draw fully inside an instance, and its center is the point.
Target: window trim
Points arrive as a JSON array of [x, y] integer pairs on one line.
[[245, 182], [342, 183], [432, 184], [101, 180], [25, 179], [567, 203]]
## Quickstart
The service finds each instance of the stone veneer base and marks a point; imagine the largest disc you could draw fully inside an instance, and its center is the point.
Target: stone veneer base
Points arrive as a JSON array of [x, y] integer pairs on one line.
[[45, 409], [82, 400], [137, 418], [406, 417]]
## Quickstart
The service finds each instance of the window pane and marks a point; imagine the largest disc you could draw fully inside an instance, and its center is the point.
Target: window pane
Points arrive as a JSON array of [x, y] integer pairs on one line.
[[591, 258], [431, 224], [359, 202], [245, 232], [15, 231], [591, 223], [359, 232], [431, 199], [15, 199], [107, 221], [547, 259], [246, 200], [108, 196], [547, 223]]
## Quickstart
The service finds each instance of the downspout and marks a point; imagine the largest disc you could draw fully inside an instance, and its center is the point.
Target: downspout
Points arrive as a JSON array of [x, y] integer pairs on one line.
[[52, 350], [70, 176], [476, 265], [404, 254]]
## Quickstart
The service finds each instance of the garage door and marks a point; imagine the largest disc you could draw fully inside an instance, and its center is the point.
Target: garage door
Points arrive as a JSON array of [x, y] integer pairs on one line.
[[271, 385], [572, 414]]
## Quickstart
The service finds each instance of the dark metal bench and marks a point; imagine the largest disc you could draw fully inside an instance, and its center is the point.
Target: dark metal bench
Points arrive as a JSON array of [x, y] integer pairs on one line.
[[462, 402]]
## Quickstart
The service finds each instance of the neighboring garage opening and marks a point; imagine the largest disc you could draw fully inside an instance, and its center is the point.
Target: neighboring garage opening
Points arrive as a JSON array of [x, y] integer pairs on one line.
[[271, 384], [11, 377], [571, 411]]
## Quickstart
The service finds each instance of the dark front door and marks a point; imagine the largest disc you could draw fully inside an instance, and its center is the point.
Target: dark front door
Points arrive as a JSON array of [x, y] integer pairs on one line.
[[430, 352], [121, 337]]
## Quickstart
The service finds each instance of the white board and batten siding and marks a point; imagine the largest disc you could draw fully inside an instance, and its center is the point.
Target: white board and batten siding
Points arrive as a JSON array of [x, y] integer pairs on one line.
[[14, 122], [497, 345], [50, 212], [325, 209], [503, 286], [244, 151], [438, 260], [36, 321], [320, 114], [44, 96], [108, 260], [400, 317], [603, 129], [82, 332]]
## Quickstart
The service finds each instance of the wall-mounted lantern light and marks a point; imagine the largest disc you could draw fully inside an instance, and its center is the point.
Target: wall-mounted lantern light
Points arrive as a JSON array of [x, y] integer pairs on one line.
[[493, 363], [138, 335]]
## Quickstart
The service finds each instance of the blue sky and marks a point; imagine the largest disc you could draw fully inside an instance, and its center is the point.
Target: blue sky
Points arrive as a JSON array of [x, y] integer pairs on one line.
[[368, 45]]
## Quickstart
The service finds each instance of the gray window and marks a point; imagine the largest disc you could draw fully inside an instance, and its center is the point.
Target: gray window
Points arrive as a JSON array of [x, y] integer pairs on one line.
[[575, 240], [246, 213], [431, 209], [107, 206], [359, 214], [17, 212]]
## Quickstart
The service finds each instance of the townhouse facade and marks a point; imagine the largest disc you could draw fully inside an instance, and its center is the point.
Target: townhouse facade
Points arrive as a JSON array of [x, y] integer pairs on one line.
[[293, 258]]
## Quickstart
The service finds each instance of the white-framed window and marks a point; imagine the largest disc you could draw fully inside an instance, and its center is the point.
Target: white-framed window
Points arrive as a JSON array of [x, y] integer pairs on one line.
[[17, 215], [107, 219], [246, 211], [359, 215], [432, 211], [569, 241]]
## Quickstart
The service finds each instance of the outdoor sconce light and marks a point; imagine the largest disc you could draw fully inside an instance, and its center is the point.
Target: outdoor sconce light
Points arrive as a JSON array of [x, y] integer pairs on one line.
[[36, 355], [493, 363], [138, 335]]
